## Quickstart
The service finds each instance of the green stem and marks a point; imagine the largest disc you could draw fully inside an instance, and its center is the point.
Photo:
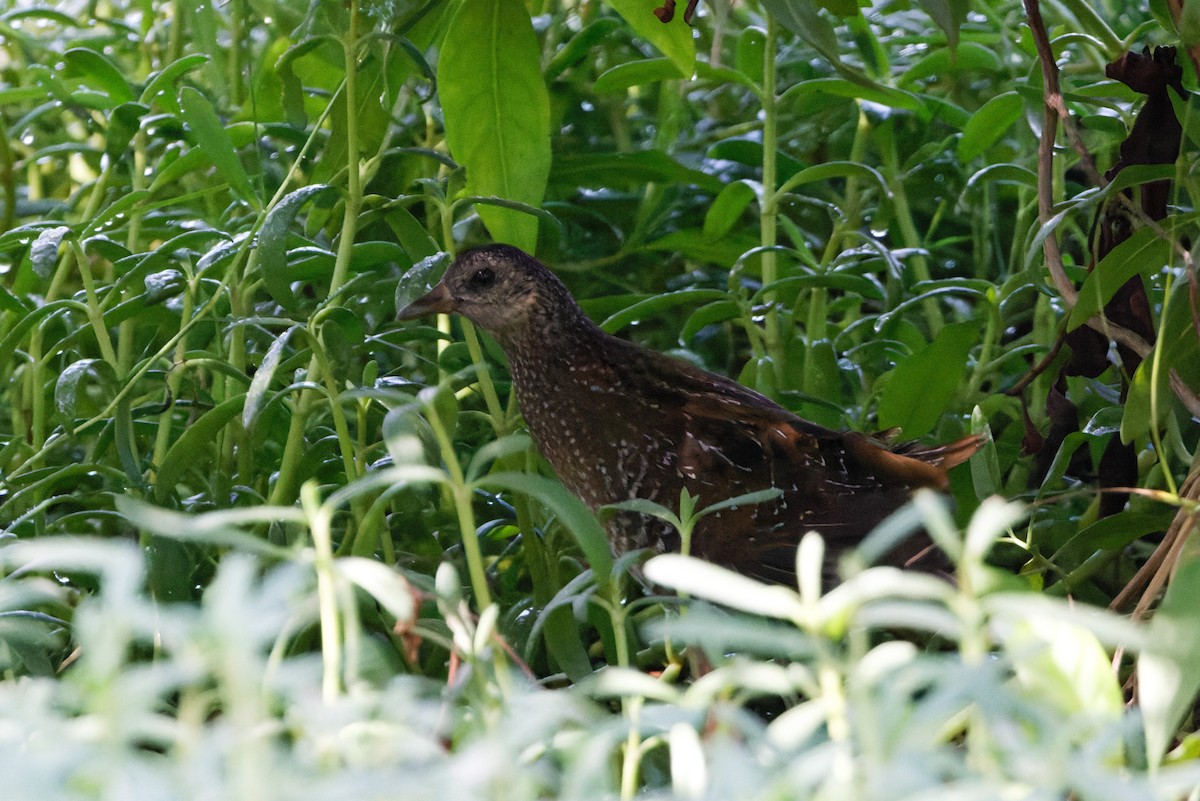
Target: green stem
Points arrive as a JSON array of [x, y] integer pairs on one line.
[[94, 313], [461, 492], [320, 518], [909, 238], [285, 486], [162, 437], [768, 220], [486, 388]]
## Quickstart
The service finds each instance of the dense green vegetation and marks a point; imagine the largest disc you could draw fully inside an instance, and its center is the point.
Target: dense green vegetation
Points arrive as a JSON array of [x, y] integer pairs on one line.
[[262, 541]]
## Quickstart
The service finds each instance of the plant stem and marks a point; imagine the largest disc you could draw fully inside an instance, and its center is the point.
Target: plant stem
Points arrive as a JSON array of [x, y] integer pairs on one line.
[[319, 520], [284, 489], [768, 222]]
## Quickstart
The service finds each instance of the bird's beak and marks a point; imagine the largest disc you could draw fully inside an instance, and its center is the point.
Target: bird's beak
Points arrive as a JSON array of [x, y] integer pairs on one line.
[[438, 301]]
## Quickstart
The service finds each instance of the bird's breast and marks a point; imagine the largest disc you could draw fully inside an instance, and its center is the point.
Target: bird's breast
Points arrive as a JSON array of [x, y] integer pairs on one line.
[[605, 443]]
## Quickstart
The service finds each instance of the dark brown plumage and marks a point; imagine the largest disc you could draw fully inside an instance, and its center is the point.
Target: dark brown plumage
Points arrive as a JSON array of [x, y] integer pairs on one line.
[[618, 421]]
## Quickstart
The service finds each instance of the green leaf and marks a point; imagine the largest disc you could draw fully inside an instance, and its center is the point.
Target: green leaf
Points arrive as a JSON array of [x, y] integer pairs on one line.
[[71, 379], [675, 40], [841, 87], [694, 245], [717, 584], [577, 518], [1063, 667], [1142, 253], [621, 169], [1169, 667], [718, 311], [949, 15], [989, 124], [836, 169], [220, 528], [161, 86], [262, 377], [921, 387], [497, 111], [43, 253], [99, 73], [578, 46], [803, 18], [385, 585], [193, 448], [750, 54], [212, 138], [1002, 174], [750, 153], [969, 58], [272, 244], [1177, 351], [728, 207], [123, 123], [636, 73]]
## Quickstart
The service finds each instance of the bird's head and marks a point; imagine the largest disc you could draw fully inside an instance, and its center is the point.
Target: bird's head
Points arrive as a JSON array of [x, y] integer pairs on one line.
[[500, 288]]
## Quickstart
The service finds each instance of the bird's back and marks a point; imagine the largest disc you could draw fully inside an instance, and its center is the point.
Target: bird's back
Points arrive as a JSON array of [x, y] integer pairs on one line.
[[623, 422]]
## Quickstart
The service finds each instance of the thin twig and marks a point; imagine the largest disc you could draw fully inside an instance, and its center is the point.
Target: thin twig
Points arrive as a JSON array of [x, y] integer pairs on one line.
[[1147, 584], [1050, 117]]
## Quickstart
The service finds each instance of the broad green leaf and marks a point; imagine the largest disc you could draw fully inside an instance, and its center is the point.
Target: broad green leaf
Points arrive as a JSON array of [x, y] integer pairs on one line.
[[718, 311], [836, 169], [272, 244], [694, 245], [921, 387], [212, 138], [1115, 532], [637, 73], [675, 40], [1169, 667], [1144, 252], [25, 322], [497, 111], [864, 286], [123, 123], [989, 124], [1064, 667]]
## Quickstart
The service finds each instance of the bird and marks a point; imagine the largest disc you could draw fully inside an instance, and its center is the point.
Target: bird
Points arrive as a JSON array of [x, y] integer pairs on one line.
[[617, 421]]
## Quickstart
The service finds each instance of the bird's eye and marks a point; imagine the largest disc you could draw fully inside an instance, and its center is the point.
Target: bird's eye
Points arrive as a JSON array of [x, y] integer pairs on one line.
[[482, 278]]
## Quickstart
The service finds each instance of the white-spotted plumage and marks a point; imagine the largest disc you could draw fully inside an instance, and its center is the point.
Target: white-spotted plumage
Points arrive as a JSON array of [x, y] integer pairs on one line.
[[617, 421]]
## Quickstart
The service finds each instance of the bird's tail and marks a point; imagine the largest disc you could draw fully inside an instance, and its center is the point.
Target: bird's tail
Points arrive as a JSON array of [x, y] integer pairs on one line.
[[912, 464]]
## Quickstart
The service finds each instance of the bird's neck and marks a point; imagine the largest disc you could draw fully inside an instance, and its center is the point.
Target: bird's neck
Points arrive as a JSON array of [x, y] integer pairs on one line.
[[562, 341]]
